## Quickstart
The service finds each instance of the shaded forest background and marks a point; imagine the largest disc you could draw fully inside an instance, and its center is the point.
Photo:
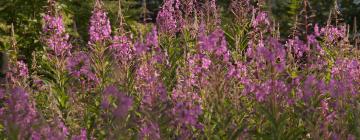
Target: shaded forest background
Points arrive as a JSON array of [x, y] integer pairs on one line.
[[21, 20]]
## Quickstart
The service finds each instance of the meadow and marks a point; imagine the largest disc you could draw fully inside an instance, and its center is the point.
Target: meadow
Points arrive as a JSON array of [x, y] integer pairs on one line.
[[193, 73]]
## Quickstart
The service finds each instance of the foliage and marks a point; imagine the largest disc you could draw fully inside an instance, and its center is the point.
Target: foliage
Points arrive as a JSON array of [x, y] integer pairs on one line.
[[184, 70]]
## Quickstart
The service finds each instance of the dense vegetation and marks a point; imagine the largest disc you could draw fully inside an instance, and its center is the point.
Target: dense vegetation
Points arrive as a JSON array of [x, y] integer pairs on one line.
[[179, 69]]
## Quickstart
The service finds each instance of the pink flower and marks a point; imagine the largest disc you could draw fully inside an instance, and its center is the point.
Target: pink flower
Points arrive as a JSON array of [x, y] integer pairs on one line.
[[55, 36], [99, 28]]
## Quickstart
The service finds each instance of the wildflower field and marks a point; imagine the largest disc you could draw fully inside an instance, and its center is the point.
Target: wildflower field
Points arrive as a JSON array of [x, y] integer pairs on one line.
[[194, 71]]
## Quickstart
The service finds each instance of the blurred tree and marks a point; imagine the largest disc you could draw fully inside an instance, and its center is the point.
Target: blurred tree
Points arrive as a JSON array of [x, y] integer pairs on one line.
[[285, 11], [25, 15]]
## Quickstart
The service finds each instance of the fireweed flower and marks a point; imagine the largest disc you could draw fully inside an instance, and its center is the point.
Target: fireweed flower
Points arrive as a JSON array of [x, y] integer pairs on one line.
[[240, 8], [121, 49], [63, 129], [152, 38], [312, 41], [307, 87], [148, 77], [212, 50], [261, 18], [239, 71], [310, 87], [55, 36], [176, 15], [328, 117], [315, 54], [19, 115], [331, 33], [345, 78], [195, 69], [150, 85], [261, 27], [149, 130], [19, 72], [187, 108], [55, 130], [23, 70], [82, 135], [220, 45], [278, 55], [140, 48], [123, 103], [214, 43], [298, 46], [270, 55], [267, 55], [148, 82], [209, 12], [99, 28], [51, 131], [199, 65], [150, 46], [78, 66], [213, 9], [166, 18], [189, 9], [277, 88]]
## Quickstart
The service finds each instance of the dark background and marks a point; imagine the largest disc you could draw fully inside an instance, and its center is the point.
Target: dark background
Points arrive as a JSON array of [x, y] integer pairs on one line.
[[26, 17]]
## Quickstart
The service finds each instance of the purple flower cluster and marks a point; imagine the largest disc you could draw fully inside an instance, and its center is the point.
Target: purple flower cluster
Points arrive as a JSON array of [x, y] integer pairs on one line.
[[82, 135], [149, 130], [187, 108], [149, 85], [19, 72], [79, 66], [99, 28], [20, 118], [181, 86], [212, 50], [272, 53], [188, 7], [23, 70], [121, 49], [298, 46], [56, 37], [332, 33], [199, 67], [214, 43], [261, 18], [240, 8], [148, 77], [166, 18], [123, 103], [19, 114], [345, 78], [214, 10], [308, 88], [268, 88], [239, 71], [151, 45]]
